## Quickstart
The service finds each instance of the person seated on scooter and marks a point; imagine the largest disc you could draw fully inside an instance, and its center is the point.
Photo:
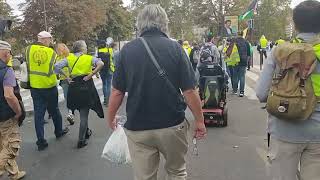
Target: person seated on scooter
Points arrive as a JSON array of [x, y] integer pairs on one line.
[[210, 55]]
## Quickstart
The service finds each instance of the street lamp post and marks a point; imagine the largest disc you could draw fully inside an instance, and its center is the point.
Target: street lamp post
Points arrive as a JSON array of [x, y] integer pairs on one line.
[[45, 15]]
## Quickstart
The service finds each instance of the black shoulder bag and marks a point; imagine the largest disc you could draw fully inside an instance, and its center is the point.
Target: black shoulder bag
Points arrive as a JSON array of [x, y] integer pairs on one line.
[[178, 100]]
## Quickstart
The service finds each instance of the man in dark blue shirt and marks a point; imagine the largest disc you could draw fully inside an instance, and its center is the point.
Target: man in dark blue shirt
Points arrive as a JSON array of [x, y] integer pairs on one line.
[[152, 118]]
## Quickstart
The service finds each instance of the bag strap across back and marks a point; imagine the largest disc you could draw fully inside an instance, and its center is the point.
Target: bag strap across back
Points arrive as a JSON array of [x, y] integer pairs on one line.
[[162, 73]]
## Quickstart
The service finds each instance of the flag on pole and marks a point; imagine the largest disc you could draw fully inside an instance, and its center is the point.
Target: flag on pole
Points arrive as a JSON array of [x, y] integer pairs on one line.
[[250, 11], [247, 15]]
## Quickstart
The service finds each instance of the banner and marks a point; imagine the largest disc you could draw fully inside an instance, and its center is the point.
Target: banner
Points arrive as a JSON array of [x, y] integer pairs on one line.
[[234, 23]]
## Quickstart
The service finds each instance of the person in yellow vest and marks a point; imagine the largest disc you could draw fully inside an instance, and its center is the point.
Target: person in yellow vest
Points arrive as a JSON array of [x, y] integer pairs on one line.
[[10, 64], [82, 93], [187, 48], [294, 147], [231, 58], [280, 41], [40, 59], [263, 46], [63, 52], [105, 53]]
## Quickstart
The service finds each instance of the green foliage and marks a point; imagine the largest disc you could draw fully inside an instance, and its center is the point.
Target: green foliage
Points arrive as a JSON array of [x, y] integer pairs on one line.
[[272, 19], [118, 23], [71, 20]]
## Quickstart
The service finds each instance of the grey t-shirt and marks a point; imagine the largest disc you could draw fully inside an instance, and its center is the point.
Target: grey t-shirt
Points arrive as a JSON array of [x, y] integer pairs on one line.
[[308, 131]]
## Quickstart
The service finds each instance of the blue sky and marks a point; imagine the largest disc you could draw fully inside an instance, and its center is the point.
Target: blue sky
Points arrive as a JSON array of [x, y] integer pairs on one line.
[[14, 4]]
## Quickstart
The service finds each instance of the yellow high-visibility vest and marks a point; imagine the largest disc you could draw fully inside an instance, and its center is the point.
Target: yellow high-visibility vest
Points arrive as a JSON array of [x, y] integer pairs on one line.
[[234, 58], [10, 63], [40, 60], [315, 76], [65, 70], [80, 66], [110, 51], [263, 43]]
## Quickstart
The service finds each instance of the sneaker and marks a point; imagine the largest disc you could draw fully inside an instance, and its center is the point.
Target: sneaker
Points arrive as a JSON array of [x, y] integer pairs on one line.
[[42, 145], [241, 94], [70, 119], [235, 92], [63, 133], [19, 175]]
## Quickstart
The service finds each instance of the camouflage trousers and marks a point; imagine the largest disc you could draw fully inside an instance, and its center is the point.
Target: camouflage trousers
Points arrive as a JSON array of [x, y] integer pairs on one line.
[[10, 140]]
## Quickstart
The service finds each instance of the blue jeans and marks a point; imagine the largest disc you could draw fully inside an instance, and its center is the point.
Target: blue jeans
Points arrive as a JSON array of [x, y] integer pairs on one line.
[[65, 87], [239, 75], [106, 78], [46, 99]]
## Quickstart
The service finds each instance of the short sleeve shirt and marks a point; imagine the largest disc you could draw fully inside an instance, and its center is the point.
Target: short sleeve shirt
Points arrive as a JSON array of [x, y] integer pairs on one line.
[[9, 79], [147, 105]]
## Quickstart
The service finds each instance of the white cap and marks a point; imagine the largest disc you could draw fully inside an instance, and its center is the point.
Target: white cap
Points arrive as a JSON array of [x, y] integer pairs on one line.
[[109, 41], [44, 34], [5, 45]]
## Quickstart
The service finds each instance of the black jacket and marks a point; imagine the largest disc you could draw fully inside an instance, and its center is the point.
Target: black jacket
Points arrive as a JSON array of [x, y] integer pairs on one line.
[[244, 50], [83, 94]]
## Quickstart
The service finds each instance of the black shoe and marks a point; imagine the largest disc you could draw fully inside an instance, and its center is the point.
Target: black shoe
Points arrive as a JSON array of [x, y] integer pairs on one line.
[[64, 132], [88, 133], [42, 145], [82, 144], [241, 94]]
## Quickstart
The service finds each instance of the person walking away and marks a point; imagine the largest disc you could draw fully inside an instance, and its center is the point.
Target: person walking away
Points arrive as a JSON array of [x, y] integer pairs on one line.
[[263, 46], [82, 85], [44, 92], [187, 48], [231, 58], [239, 71], [105, 53], [280, 41], [155, 108], [295, 144], [195, 55], [10, 112], [63, 52]]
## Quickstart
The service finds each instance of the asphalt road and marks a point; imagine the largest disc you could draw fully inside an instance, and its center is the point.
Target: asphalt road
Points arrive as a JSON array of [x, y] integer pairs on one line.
[[237, 152]]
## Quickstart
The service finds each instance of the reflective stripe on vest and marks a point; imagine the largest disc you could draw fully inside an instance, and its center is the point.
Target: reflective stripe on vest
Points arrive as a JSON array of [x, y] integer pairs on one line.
[[109, 50], [82, 67], [40, 60], [234, 58]]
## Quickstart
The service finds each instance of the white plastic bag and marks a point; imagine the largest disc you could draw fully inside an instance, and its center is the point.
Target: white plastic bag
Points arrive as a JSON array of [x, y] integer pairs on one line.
[[116, 149]]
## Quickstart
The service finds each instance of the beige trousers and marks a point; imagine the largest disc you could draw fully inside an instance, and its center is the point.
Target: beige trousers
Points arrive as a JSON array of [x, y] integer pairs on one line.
[[145, 148], [284, 159], [9, 146]]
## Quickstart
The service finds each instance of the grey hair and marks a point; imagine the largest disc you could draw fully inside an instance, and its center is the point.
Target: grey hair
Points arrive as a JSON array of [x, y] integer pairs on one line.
[[152, 16], [79, 46]]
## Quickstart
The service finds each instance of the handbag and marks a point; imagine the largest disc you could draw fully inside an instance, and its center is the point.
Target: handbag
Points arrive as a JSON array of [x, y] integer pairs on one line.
[[178, 100], [25, 77]]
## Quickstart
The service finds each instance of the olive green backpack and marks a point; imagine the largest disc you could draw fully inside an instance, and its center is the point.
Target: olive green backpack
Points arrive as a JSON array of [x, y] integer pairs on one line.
[[292, 96]]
